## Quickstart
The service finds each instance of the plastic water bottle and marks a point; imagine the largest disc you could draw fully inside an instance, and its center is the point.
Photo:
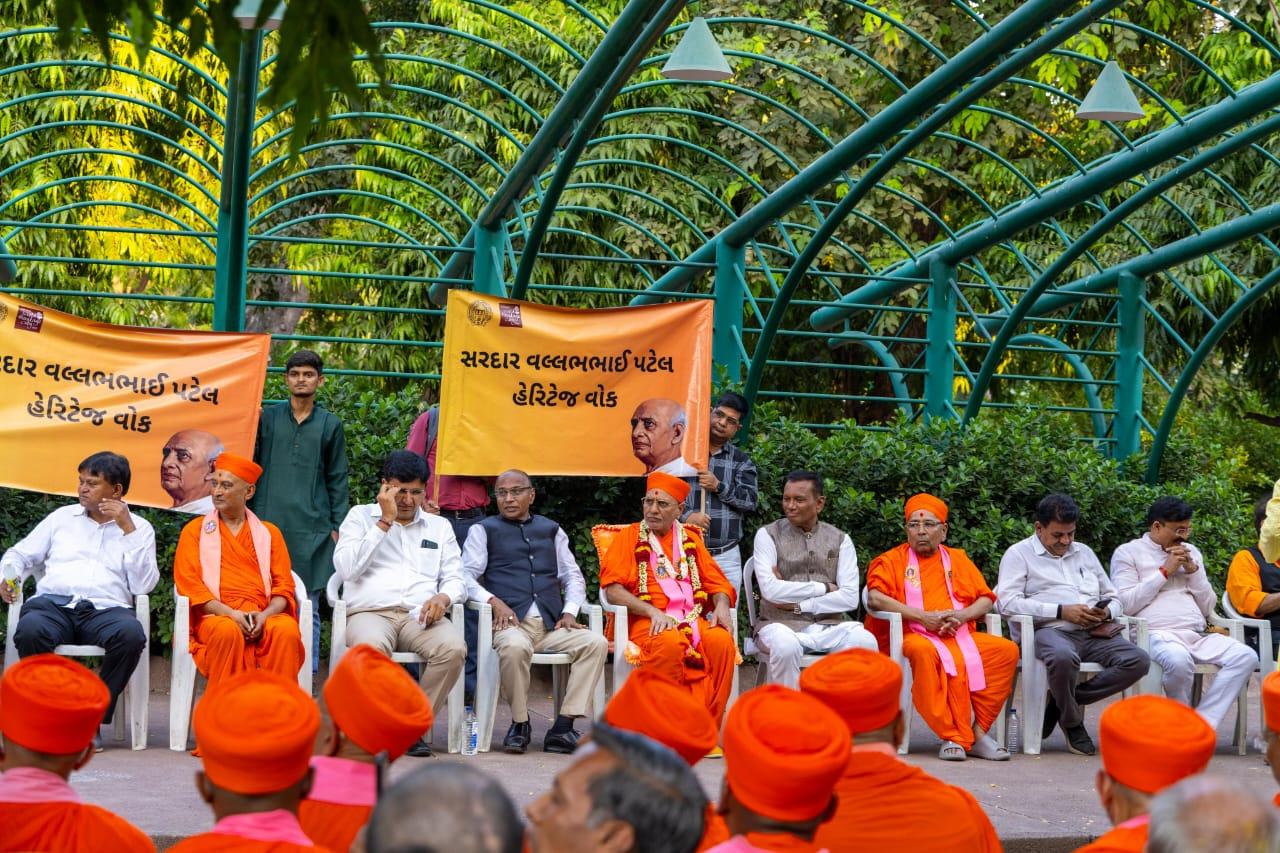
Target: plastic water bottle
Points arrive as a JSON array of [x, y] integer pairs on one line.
[[1013, 733], [471, 732]]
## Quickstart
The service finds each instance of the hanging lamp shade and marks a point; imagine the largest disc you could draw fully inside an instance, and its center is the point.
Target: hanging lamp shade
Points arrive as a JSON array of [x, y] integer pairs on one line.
[[697, 58], [247, 14], [1110, 99]]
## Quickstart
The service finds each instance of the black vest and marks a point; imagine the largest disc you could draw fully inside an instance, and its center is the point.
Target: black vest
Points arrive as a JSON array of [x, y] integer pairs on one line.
[[522, 568]]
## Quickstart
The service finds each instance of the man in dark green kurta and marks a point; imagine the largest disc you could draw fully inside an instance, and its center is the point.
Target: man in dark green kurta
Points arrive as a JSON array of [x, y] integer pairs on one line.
[[303, 489]]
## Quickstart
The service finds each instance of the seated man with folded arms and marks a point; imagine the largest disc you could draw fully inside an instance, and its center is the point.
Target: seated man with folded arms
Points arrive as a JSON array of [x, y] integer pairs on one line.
[[1161, 578], [401, 572], [235, 570], [1060, 583], [50, 708], [96, 557], [807, 573], [521, 565], [1253, 585]]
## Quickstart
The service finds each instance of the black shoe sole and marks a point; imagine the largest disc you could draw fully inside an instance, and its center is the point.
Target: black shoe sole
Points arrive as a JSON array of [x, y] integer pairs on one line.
[[514, 750], [559, 750]]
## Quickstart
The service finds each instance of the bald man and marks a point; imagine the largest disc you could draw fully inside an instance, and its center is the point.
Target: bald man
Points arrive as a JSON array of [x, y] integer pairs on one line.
[[445, 807], [658, 426], [185, 468]]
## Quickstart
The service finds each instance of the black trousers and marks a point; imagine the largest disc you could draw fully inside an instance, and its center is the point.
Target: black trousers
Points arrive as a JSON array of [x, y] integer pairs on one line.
[[1063, 651], [46, 622]]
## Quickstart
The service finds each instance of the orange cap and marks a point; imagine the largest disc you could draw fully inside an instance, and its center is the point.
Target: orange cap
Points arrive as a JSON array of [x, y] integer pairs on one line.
[[663, 711], [673, 486], [1271, 700], [927, 502], [255, 732], [245, 469], [862, 686], [1150, 742], [784, 751], [375, 703], [51, 704]]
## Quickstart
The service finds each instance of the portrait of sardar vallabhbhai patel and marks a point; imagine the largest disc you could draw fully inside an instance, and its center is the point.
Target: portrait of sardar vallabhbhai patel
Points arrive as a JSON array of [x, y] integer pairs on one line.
[[185, 469], [658, 427]]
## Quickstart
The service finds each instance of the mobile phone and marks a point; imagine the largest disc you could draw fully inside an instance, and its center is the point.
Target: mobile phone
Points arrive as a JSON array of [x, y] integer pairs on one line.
[[1103, 603]]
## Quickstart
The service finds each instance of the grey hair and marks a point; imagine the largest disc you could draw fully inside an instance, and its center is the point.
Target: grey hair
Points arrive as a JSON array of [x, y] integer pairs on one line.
[[1213, 814], [680, 418], [445, 808]]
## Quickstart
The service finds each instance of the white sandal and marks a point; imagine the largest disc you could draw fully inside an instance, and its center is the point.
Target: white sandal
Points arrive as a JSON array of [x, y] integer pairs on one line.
[[952, 751], [986, 748]]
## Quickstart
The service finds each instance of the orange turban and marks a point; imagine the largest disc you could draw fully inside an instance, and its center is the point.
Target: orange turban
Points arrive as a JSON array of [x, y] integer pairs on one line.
[[928, 503], [784, 751], [1150, 742], [862, 686], [375, 703], [1271, 700], [673, 486], [664, 711], [255, 732], [245, 469], [51, 704]]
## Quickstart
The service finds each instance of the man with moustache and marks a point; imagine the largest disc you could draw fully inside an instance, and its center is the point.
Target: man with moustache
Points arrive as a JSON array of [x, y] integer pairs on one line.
[[185, 468]]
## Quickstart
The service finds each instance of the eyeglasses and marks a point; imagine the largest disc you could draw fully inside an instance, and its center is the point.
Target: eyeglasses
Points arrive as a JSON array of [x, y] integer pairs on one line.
[[416, 493], [503, 494], [927, 526], [659, 503], [721, 416]]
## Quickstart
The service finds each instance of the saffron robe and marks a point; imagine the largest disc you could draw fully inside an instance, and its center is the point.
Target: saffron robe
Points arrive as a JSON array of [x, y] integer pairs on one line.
[[945, 701], [768, 842], [342, 798], [714, 829], [1128, 837], [262, 832], [665, 652], [884, 802], [217, 644], [40, 812]]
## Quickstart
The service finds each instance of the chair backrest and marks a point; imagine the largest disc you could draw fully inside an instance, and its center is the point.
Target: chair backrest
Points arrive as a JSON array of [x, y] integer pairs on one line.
[[749, 590], [1227, 608], [333, 589]]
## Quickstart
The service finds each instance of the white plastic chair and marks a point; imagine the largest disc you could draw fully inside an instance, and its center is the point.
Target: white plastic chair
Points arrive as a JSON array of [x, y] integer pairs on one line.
[[133, 700], [487, 681], [1266, 659], [750, 646], [338, 647], [182, 684]]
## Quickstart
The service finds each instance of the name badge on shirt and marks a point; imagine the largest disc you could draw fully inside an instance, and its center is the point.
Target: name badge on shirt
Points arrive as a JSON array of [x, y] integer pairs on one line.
[[427, 543]]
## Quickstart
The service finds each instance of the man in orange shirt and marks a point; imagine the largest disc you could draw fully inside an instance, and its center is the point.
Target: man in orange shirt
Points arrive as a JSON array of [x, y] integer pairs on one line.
[[1253, 585], [784, 751], [50, 708], [374, 708], [1147, 744], [255, 732], [881, 798], [1271, 712], [960, 678], [235, 570], [678, 599]]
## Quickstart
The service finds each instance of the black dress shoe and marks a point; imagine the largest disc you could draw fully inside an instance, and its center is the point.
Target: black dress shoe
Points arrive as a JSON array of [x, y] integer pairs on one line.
[[1079, 742], [421, 749], [1051, 714], [562, 742], [518, 737]]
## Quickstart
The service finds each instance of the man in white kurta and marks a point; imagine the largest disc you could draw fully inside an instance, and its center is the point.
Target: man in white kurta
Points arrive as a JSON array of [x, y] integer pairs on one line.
[[1161, 578], [807, 573]]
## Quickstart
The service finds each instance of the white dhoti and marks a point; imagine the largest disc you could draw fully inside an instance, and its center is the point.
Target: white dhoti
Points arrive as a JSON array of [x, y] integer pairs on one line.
[[1178, 651], [785, 646]]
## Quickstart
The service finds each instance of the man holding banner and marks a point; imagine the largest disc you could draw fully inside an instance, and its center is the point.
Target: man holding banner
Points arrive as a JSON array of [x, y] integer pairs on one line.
[[678, 598]]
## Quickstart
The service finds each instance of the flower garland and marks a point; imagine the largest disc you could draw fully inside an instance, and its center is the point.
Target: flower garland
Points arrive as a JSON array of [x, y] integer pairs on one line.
[[686, 569]]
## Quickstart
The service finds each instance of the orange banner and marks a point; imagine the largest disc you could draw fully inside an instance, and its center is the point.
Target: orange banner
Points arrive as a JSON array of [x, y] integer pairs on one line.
[[166, 400], [549, 390]]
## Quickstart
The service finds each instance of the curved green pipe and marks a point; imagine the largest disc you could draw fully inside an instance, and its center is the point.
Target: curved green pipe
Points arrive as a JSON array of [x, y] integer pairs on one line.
[[113, 96], [113, 152], [897, 379], [111, 179], [128, 205], [412, 242], [112, 125], [365, 143], [361, 167], [339, 191], [618, 217], [1089, 384], [475, 39], [208, 111], [600, 241]]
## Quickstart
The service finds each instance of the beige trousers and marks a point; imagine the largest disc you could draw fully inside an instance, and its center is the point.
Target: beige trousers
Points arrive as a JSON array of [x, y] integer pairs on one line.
[[516, 646], [393, 629]]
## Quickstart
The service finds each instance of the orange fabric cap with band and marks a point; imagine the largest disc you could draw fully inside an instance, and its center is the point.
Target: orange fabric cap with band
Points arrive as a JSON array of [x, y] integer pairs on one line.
[[256, 731], [664, 711], [784, 751], [1150, 742], [1271, 700], [862, 686], [245, 469], [375, 703], [51, 704], [673, 486], [928, 503]]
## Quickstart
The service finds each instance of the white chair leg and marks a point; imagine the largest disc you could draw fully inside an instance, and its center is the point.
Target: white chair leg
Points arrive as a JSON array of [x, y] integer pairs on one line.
[[1035, 686], [908, 710], [181, 693], [487, 677], [457, 695], [122, 711], [1242, 721], [338, 638], [305, 615]]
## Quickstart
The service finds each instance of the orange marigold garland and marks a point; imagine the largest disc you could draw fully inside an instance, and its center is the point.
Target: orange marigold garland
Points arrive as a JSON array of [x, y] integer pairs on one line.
[[685, 569]]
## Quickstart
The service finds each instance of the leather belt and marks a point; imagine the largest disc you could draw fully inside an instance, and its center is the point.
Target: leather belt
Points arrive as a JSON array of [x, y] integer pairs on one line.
[[474, 512]]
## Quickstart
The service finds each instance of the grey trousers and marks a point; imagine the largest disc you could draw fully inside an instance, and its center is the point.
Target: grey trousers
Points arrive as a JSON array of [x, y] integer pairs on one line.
[[1062, 652]]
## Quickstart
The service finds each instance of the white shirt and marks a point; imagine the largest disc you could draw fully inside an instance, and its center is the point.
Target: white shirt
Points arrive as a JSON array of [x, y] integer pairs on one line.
[[812, 596], [199, 506], [403, 567], [86, 560], [677, 468], [1034, 582], [475, 559], [1179, 602]]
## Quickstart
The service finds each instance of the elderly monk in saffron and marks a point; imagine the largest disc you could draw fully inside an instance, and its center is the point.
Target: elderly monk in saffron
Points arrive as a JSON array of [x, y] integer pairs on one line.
[[882, 799], [235, 570], [371, 706], [960, 678], [678, 599], [1271, 712], [50, 708]]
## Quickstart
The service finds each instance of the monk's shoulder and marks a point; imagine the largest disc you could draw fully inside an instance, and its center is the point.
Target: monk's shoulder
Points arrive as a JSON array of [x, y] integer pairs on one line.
[[890, 559], [108, 831], [191, 530]]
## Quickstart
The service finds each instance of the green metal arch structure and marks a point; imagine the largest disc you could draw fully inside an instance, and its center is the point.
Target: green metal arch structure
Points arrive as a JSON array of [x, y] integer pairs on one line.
[[892, 206]]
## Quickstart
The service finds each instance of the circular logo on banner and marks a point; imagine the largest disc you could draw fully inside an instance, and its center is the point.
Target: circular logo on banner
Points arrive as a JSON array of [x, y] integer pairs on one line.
[[479, 313], [4, 312]]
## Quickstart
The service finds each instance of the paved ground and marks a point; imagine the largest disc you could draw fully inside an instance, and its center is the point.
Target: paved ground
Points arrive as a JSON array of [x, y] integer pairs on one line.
[[1037, 803]]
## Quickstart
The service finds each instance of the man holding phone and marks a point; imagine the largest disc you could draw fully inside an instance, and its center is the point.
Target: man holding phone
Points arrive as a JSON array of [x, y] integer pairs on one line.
[[401, 571], [1062, 585]]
